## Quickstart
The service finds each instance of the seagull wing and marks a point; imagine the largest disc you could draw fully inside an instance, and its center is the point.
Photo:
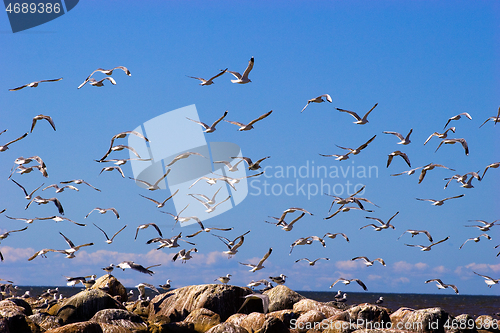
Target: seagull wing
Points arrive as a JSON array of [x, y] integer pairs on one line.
[[260, 118], [162, 177], [153, 200], [220, 119], [360, 283], [442, 240], [199, 122], [366, 115], [265, 257], [396, 134], [248, 69], [352, 113], [219, 74], [19, 138], [70, 243], [364, 145], [105, 234]]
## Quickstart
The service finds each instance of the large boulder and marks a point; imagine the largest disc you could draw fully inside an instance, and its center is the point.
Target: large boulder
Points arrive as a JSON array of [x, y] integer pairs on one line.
[[112, 286], [273, 325], [203, 319], [84, 305], [13, 318], [370, 316], [253, 322], [120, 318], [281, 298], [227, 328], [423, 320], [306, 304], [309, 320], [85, 327], [221, 299]]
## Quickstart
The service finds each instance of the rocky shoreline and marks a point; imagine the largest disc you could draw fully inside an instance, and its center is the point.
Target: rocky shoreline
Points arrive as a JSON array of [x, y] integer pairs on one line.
[[217, 308]]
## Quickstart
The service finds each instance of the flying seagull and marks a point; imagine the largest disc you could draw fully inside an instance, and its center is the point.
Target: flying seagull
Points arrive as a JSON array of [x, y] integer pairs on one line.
[[338, 157], [79, 181], [382, 224], [42, 201], [443, 135], [441, 285], [476, 239], [440, 202], [259, 265], [152, 187], [428, 247], [6, 146], [262, 297], [110, 240], [118, 148], [230, 168], [27, 195], [35, 84], [457, 117], [241, 79], [209, 81], [96, 83], [492, 165], [232, 249], [209, 129], [252, 165], [107, 72], [306, 241], [285, 226], [70, 253], [495, 119], [7, 233], [416, 232], [333, 236], [486, 225], [488, 280], [398, 153], [136, 267], [111, 168], [453, 141], [61, 189], [184, 255], [231, 242], [247, 127], [206, 229], [160, 204], [348, 281], [345, 209], [358, 150], [311, 263], [318, 99], [182, 156], [40, 117], [404, 140], [60, 219], [370, 262], [104, 211], [428, 167], [359, 121], [145, 226], [208, 201]]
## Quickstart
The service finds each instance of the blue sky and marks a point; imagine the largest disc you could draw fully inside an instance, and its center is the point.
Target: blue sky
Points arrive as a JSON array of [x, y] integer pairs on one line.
[[422, 62]]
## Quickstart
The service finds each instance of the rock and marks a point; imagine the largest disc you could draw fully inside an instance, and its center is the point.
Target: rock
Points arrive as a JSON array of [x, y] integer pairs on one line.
[[45, 321], [487, 323], [284, 315], [108, 328], [85, 304], [140, 308], [115, 288], [424, 320], [273, 325], [462, 323], [120, 318], [308, 320], [84, 327], [227, 328], [12, 316], [203, 319], [338, 326], [306, 304], [281, 298], [253, 321], [236, 319], [387, 330], [222, 299], [180, 327], [20, 302], [370, 316]]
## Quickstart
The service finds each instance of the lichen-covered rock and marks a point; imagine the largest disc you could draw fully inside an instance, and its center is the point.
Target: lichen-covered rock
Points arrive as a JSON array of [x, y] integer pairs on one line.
[[140, 308], [13, 317], [424, 320], [114, 287], [108, 328], [120, 318], [84, 327], [463, 323], [19, 302], [306, 304], [227, 328], [85, 304], [178, 327], [224, 300], [338, 326], [203, 319], [45, 321], [283, 315], [253, 321], [367, 314], [487, 323], [236, 319], [308, 320], [281, 298], [273, 325]]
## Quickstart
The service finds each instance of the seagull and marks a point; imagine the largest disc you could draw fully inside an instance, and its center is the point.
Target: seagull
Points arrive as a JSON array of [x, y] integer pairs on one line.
[[21, 169], [428, 247], [208, 201], [492, 165], [6, 146], [232, 248], [443, 135], [206, 229], [453, 141], [119, 148], [96, 83], [278, 279], [209, 81], [79, 181], [136, 267], [168, 242], [35, 84], [416, 232], [409, 172], [211, 208], [462, 178], [242, 79], [476, 239], [7, 233], [338, 157], [486, 225], [398, 153], [230, 168], [160, 204], [404, 140], [231, 242], [360, 148], [110, 240], [488, 280], [306, 241], [496, 119], [122, 161], [441, 285], [333, 236], [184, 255], [209, 129], [383, 225], [232, 181], [41, 253], [40, 117], [181, 218], [440, 202], [380, 300], [152, 187], [145, 226], [311, 263], [42, 201], [428, 167], [21, 160], [60, 219], [251, 165], [224, 279], [318, 99], [70, 253], [142, 289], [109, 268], [107, 72], [345, 209], [457, 117], [247, 127], [370, 262], [262, 297], [27, 196], [285, 226], [111, 168], [292, 210], [183, 155], [259, 265], [29, 221], [359, 121], [467, 184], [165, 286], [61, 189], [345, 201], [348, 281], [253, 283], [104, 211], [210, 181], [122, 135], [342, 299]]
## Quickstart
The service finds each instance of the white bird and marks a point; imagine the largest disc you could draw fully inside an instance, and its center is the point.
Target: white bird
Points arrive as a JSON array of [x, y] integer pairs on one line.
[[233, 249], [495, 119], [209, 208], [253, 283], [306, 241], [210, 181], [409, 172], [70, 253], [230, 168], [132, 265], [107, 72], [428, 247], [123, 161], [348, 281], [168, 242], [142, 289], [145, 226], [345, 209], [440, 202], [318, 99], [359, 120], [108, 269], [110, 240], [342, 299], [208, 201], [492, 165], [21, 169], [457, 117], [42, 201], [380, 300], [278, 279], [453, 141], [428, 167], [360, 148], [6, 146], [311, 263], [370, 262], [333, 236], [203, 229], [41, 253], [184, 255], [182, 156], [441, 285], [231, 242], [61, 189], [285, 226], [416, 232], [209, 129], [262, 297], [486, 225], [7, 233], [165, 286], [60, 219], [443, 135], [209, 81], [488, 280], [382, 224], [35, 84], [404, 140], [462, 178], [247, 127], [160, 204], [181, 219], [27, 195], [29, 221], [292, 210], [233, 181], [111, 168], [338, 157], [40, 117], [252, 165], [398, 153], [224, 279], [259, 265], [79, 181], [476, 239], [152, 187], [104, 211], [242, 79], [96, 83]]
